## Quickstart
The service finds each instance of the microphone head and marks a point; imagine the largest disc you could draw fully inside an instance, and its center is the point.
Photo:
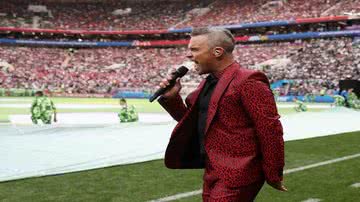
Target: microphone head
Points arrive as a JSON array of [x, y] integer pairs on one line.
[[188, 64], [181, 71]]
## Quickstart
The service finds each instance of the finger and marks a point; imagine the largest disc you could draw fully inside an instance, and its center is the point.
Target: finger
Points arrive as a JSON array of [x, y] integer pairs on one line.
[[283, 188], [166, 81], [171, 70], [178, 84], [162, 85], [280, 187], [277, 186]]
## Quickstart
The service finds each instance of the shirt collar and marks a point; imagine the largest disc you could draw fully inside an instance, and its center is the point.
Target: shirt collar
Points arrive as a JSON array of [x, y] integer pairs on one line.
[[211, 77]]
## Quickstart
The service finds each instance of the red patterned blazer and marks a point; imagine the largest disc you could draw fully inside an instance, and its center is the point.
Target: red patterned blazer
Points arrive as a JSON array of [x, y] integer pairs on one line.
[[243, 135]]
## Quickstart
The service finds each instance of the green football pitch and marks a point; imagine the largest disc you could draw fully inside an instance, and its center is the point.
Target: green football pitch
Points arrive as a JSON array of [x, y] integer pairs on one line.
[[151, 180]]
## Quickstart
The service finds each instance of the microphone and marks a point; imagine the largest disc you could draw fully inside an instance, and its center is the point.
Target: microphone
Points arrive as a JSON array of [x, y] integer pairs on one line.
[[180, 72]]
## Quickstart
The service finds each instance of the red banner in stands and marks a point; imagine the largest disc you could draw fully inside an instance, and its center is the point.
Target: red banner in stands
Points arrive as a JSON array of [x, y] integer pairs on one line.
[[95, 32], [160, 43], [175, 42], [137, 32], [321, 19], [168, 42], [242, 38]]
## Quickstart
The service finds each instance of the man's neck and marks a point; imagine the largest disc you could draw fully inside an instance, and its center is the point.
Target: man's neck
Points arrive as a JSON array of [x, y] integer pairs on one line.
[[220, 68], [226, 62]]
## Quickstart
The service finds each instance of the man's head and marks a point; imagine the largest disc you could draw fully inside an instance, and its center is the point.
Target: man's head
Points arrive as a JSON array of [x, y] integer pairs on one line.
[[209, 48], [39, 94], [123, 103]]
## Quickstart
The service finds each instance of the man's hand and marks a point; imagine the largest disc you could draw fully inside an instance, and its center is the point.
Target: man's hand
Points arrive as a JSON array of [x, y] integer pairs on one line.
[[173, 91], [278, 185]]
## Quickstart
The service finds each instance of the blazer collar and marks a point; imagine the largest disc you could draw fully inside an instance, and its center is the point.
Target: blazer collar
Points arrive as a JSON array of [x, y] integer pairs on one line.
[[219, 90]]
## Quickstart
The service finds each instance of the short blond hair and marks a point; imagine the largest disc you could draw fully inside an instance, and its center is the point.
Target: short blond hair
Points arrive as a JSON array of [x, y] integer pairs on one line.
[[217, 37]]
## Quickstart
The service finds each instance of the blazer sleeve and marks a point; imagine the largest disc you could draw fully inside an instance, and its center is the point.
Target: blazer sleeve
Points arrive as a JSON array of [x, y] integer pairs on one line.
[[259, 103], [174, 106]]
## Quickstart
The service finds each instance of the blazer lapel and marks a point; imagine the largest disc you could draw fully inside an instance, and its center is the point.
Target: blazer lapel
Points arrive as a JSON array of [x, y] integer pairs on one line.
[[192, 99], [219, 91], [196, 94]]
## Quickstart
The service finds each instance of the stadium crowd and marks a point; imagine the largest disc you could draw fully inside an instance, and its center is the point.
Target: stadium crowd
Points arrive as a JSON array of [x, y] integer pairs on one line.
[[233, 11], [149, 15], [345, 7], [86, 70], [313, 65], [317, 67], [144, 15]]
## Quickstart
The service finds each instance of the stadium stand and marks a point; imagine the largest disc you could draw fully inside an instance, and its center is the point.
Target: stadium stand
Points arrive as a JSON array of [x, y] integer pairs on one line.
[[113, 15], [234, 11], [313, 65], [149, 15]]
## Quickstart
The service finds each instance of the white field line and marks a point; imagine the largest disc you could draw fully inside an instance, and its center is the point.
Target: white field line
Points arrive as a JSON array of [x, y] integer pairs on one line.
[[312, 200], [356, 185], [293, 170]]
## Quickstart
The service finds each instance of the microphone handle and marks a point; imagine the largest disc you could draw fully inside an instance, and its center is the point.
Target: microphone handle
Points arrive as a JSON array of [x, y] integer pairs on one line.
[[163, 90]]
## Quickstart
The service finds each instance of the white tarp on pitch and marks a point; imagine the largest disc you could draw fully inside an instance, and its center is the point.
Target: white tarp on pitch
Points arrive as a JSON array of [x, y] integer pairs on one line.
[[72, 145]]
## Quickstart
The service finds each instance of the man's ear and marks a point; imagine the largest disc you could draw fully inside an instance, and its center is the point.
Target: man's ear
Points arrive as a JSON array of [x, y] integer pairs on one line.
[[218, 51]]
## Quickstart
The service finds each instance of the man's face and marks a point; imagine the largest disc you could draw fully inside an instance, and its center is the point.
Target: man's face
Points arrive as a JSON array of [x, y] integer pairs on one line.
[[200, 53], [123, 104]]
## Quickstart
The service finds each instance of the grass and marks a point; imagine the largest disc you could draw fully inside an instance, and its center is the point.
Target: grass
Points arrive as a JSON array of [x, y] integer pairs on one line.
[[328, 183], [151, 180]]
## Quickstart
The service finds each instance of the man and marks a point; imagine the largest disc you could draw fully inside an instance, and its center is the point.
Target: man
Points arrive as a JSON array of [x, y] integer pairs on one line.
[[127, 114], [2, 92], [42, 108], [339, 101], [300, 105], [229, 125], [276, 93], [352, 99]]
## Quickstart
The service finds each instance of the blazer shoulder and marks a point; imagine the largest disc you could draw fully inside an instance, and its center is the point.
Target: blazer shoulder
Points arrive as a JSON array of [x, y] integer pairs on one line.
[[244, 75]]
